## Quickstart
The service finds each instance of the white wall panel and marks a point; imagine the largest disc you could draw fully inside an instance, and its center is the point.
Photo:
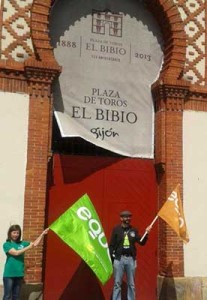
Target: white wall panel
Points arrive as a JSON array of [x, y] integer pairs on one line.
[[195, 191], [13, 155]]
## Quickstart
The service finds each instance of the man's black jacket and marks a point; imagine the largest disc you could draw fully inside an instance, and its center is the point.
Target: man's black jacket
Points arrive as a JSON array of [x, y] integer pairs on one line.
[[117, 240]]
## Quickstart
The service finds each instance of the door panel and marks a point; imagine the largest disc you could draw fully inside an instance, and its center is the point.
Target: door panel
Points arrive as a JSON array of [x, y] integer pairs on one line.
[[113, 184]]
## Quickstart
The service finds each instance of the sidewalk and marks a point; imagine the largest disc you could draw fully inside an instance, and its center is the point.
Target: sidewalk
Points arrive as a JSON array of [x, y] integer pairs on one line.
[[31, 292]]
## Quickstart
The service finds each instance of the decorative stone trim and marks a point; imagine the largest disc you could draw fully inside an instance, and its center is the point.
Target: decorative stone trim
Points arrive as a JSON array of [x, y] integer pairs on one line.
[[15, 32], [39, 25], [169, 19], [193, 16], [40, 79], [182, 22], [169, 96], [179, 96]]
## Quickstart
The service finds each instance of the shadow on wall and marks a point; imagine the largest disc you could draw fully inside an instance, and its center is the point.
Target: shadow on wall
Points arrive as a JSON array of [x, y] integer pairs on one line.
[[77, 172], [31, 292], [87, 284], [167, 288]]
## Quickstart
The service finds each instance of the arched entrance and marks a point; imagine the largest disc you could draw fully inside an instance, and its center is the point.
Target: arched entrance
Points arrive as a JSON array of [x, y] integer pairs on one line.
[[172, 68], [107, 50]]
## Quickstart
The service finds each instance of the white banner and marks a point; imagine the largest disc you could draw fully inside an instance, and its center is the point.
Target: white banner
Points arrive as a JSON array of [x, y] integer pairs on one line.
[[110, 58]]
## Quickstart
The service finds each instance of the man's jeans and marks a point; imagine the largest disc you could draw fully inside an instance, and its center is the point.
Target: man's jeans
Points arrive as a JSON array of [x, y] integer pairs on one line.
[[125, 265], [12, 286]]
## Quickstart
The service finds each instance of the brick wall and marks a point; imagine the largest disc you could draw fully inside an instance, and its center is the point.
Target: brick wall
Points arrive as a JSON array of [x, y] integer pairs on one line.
[[35, 190], [39, 145]]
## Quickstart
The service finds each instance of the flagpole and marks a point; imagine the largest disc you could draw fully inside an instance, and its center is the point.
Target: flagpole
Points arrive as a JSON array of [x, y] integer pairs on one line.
[[155, 219]]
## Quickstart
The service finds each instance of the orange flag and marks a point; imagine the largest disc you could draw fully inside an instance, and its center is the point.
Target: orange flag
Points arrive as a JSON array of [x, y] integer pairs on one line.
[[172, 213]]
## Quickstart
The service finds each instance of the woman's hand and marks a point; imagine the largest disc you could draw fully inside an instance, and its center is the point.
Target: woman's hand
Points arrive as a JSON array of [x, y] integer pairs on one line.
[[31, 245], [45, 231], [38, 240]]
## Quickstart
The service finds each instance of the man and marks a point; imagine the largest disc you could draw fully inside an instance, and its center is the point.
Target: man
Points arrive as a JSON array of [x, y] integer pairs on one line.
[[123, 254]]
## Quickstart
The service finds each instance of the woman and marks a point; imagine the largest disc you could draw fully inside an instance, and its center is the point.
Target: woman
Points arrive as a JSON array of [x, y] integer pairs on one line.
[[14, 249]]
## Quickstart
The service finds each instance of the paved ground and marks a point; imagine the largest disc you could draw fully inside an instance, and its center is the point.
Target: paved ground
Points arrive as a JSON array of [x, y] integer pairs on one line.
[[1, 292], [31, 292]]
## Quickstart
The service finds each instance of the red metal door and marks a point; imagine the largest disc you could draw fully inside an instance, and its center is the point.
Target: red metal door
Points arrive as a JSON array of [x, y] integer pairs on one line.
[[113, 184]]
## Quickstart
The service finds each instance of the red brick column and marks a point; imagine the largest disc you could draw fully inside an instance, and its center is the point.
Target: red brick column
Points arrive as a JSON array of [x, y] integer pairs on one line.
[[38, 155], [169, 101], [40, 71]]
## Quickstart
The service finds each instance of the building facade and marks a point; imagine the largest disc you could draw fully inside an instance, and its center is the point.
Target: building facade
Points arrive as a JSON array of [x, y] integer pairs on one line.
[[28, 69]]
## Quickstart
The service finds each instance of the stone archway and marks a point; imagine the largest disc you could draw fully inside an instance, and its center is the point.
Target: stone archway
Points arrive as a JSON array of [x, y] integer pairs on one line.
[[169, 91], [165, 13]]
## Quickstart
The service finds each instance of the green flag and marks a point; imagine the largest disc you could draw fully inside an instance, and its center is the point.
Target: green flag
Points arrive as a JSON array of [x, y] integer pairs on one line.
[[80, 228]]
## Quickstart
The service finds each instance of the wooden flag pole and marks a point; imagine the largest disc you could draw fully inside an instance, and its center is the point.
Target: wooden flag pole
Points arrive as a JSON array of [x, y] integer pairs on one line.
[[150, 226]]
